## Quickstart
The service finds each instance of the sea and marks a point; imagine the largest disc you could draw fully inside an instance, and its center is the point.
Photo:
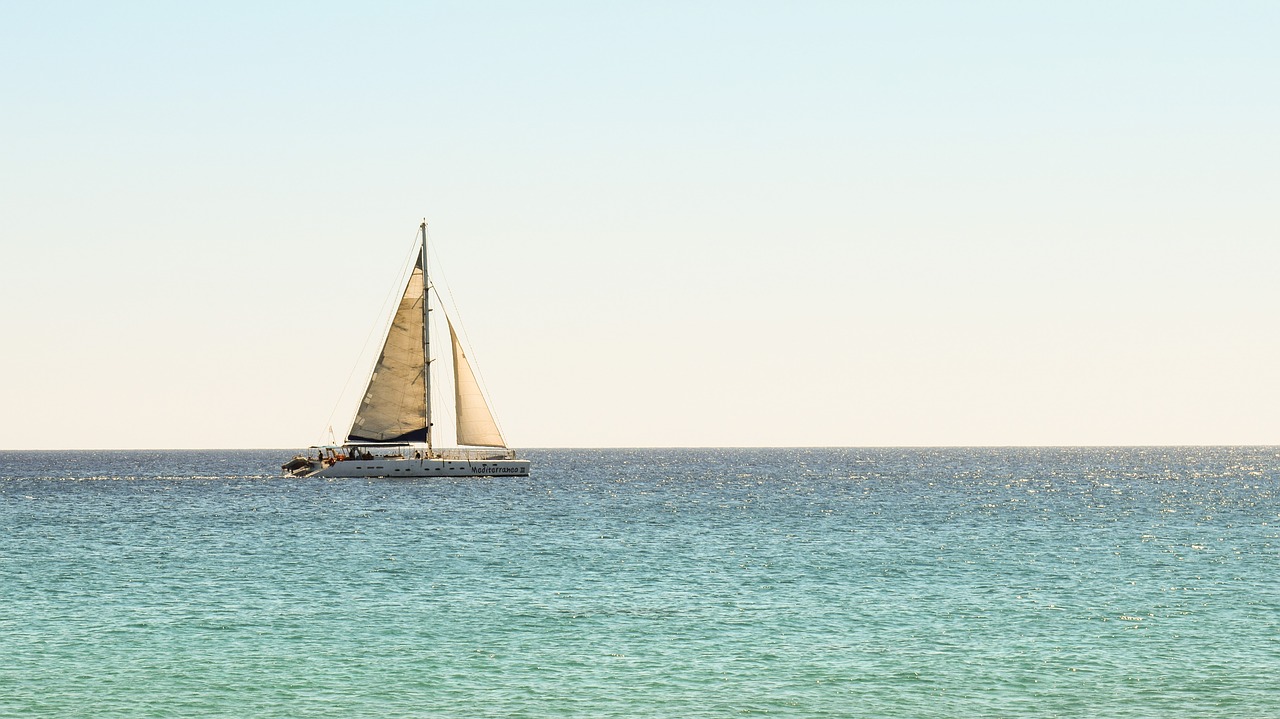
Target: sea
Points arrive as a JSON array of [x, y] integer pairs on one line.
[[894, 582]]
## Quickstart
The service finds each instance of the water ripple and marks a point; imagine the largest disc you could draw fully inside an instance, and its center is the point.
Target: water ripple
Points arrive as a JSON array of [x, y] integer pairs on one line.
[[1133, 582]]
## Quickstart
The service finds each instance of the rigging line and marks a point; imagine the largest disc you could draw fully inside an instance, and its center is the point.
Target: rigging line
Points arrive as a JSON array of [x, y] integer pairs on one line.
[[406, 269], [443, 398]]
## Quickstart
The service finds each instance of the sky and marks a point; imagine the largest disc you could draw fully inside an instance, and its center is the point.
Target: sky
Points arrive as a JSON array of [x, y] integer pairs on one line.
[[664, 223]]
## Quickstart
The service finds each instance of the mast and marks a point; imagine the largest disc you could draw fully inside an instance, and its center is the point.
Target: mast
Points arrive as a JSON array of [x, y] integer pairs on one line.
[[426, 333]]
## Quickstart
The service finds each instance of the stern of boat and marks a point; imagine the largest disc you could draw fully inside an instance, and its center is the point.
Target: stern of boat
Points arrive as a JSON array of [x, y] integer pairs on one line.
[[302, 466]]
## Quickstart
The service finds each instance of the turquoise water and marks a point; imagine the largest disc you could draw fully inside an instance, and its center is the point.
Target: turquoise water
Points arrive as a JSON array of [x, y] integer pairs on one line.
[[646, 583]]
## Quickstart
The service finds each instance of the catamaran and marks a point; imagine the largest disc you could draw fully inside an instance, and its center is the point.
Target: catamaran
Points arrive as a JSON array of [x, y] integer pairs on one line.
[[391, 435]]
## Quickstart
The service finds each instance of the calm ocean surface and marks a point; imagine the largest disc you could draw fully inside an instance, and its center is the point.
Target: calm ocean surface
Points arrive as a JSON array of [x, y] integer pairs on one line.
[[646, 583]]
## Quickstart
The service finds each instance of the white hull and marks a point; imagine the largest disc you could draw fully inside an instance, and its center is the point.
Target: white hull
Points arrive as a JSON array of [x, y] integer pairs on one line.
[[416, 468]]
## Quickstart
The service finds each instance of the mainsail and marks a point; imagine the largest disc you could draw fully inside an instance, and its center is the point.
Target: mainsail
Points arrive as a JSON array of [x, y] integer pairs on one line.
[[475, 422], [394, 407]]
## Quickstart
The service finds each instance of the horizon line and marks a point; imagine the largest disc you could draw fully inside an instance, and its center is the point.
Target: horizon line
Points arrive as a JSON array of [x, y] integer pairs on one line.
[[632, 447]]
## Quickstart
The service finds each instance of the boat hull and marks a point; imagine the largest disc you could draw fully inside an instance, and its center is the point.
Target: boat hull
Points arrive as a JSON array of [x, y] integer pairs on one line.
[[407, 467]]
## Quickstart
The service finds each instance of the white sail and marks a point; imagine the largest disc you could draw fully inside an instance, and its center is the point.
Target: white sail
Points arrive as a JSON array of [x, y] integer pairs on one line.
[[394, 406], [475, 422]]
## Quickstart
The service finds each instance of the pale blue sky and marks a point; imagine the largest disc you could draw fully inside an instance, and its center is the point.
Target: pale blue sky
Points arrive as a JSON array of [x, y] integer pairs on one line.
[[715, 223]]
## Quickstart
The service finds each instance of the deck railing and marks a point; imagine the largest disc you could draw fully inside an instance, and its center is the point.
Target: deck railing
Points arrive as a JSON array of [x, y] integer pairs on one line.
[[458, 454], [473, 455]]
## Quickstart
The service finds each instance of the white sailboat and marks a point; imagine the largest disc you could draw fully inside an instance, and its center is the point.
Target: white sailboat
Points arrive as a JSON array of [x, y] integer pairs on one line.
[[391, 435]]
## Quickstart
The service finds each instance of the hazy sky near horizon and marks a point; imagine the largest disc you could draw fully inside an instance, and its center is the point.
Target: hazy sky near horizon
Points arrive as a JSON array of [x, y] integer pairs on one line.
[[693, 223]]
